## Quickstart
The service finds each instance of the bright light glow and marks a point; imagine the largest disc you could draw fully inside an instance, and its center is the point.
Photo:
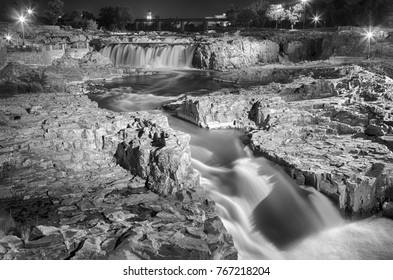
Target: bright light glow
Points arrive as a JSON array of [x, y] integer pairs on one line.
[[370, 35], [304, 1], [316, 18], [30, 11], [8, 37], [22, 19]]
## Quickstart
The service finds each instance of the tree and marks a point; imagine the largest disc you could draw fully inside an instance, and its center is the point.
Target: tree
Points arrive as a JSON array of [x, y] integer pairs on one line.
[[78, 19], [260, 7], [54, 11], [246, 17], [91, 25], [372, 12], [73, 19], [232, 14], [294, 14], [88, 15], [115, 18], [276, 13]]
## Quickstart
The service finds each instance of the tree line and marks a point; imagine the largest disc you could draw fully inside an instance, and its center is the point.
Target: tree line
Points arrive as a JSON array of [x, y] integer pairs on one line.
[[109, 18], [331, 13], [260, 13]]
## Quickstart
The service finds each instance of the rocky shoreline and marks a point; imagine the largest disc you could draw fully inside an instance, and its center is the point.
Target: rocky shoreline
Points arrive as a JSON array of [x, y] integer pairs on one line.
[[71, 200], [332, 134]]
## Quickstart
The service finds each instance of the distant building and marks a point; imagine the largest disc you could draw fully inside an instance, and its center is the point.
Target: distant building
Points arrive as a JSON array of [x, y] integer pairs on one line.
[[149, 15], [218, 21]]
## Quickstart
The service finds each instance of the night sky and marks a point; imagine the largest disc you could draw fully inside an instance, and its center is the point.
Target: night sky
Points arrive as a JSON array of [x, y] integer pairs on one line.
[[162, 8]]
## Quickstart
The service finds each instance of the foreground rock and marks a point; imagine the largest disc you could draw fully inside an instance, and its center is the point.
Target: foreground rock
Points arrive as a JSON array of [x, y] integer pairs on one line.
[[65, 195], [332, 134]]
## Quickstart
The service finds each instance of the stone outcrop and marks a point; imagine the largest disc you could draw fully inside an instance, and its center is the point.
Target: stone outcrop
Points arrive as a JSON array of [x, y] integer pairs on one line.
[[62, 75], [332, 134], [65, 194], [225, 53], [233, 108], [353, 43], [91, 66]]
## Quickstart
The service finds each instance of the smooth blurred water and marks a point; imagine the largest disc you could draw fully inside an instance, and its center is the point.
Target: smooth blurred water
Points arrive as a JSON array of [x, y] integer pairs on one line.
[[149, 92], [150, 55], [268, 215]]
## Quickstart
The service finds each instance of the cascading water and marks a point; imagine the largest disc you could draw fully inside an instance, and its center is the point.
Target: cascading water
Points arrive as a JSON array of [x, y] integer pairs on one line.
[[150, 55], [268, 216]]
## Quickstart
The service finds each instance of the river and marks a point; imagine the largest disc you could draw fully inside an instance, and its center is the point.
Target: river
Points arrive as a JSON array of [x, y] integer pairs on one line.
[[267, 214]]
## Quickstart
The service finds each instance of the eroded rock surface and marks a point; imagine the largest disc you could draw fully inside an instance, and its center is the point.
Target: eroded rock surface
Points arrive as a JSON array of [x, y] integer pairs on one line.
[[232, 52], [332, 134], [64, 75], [64, 195]]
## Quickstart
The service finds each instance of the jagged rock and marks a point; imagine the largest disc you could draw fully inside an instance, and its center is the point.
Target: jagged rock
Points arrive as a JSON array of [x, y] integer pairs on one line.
[[90, 249], [387, 209], [221, 53], [40, 231], [11, 241], [45, 241], [323, 143], [157, 154], [374, 130], [59, 173]]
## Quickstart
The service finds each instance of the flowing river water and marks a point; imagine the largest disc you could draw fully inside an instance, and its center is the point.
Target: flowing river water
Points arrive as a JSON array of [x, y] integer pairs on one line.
[[268, 215]]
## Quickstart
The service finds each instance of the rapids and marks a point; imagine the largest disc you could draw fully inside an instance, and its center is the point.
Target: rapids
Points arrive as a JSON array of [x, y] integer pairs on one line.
[[267, 214]]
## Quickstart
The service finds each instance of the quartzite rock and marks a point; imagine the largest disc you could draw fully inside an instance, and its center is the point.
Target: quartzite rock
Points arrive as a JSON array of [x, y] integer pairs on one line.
[[338, 144], [223, 53], [69, 198]]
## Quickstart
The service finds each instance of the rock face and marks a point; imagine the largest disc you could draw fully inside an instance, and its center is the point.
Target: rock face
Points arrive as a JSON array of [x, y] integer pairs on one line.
[[221, 53], [353, 43], [62, 76], [151, 150], [90, 67], [63, 195], [240, 108], [339, 144]]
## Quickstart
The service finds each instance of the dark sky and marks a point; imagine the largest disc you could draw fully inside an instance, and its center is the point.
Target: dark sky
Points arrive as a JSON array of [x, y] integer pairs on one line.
[[163, 8]]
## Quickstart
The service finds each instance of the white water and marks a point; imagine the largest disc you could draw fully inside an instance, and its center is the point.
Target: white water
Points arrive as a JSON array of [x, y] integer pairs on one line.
[[150, 55], [268, 215]]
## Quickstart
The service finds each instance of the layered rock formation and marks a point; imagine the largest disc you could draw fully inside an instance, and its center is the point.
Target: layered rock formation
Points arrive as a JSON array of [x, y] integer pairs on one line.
[[224, 53], [63, 195], [63, 75], [340, 144]]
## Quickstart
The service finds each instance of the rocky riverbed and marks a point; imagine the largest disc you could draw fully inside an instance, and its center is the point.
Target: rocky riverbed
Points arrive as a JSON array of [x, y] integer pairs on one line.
[[80, 182], [64, 195], [332, 133]]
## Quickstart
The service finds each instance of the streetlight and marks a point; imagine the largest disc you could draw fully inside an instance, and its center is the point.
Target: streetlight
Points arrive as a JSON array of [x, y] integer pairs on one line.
[[22, 20], [8, 38], [304, 2], [316, 20], [29, 11], [369, 36]]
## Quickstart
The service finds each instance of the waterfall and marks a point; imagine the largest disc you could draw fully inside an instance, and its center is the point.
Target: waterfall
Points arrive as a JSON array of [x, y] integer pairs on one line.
[[150, 55]]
